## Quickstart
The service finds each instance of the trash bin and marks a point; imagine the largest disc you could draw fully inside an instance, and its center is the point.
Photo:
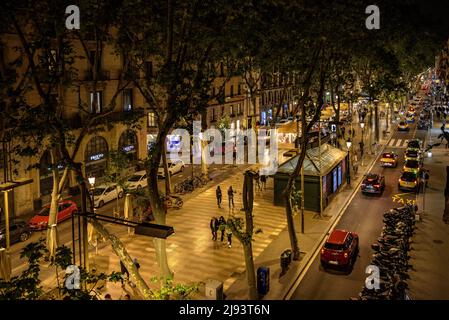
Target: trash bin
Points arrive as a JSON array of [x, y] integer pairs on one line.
[[214, 290], [263, 280], [286, 259]]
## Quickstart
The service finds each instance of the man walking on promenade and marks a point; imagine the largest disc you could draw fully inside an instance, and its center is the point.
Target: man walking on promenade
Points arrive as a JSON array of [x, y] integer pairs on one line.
[[219, 196], [231, 197]]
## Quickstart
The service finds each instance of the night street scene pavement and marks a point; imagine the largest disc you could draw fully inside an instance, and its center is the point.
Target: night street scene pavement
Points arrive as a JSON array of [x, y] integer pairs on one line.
[[224, 150]]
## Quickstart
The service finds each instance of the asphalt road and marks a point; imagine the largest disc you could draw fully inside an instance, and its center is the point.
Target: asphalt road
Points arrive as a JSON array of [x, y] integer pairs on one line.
[[363, 216]]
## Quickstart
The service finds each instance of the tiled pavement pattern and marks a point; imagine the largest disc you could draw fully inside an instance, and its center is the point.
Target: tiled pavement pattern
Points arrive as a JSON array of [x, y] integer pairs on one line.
[[193, 256]]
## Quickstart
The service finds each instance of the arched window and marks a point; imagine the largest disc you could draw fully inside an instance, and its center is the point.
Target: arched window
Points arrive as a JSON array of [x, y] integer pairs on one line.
[[95, 156]]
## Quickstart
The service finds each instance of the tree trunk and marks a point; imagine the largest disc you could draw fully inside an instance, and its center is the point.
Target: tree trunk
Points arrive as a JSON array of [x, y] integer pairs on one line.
[[121, 252], [376, 121], [166, 172], [55, 196], [250, 270], [155, 201], [291, 225]]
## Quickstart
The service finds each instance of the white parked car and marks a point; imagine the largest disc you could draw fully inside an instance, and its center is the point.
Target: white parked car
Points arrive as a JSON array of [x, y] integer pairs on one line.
[[138, 180], [105, 193], [174, 166]]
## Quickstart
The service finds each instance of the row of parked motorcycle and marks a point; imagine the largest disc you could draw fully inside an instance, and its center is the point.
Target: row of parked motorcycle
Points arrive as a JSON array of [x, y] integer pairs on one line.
[[391, 257]]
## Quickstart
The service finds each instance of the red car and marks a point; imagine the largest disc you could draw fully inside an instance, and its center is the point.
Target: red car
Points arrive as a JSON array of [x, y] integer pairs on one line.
[[340, 249], [65, 210]]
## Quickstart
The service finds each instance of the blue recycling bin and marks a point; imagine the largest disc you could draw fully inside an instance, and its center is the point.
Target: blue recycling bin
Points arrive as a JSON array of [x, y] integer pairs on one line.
[[263, 280]]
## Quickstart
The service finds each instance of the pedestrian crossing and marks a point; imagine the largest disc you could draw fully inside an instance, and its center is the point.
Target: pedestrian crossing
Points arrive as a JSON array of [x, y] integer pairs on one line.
[[398, 143]]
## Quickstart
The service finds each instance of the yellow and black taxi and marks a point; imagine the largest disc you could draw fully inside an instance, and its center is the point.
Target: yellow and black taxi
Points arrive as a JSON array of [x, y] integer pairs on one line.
[[389, 159], [403, 126], [410, 117], [409, 181], [373, 183], [412, 166], [411, 111], [414, 144], [411, 154]]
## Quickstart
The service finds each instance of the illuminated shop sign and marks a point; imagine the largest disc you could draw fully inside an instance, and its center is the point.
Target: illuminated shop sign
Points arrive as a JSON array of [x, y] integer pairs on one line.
[[96, 157], [128, 148]]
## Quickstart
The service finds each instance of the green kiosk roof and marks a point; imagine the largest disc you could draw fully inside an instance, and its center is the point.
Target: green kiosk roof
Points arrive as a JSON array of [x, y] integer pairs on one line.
[[330, 157]]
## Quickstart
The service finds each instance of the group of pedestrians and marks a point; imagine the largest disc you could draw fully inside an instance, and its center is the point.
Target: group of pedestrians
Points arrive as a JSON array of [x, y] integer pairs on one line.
[[220, 225], [219, 196]]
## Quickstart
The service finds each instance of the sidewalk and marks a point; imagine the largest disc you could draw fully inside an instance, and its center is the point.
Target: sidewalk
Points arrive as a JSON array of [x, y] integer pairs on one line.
[[431, 240]]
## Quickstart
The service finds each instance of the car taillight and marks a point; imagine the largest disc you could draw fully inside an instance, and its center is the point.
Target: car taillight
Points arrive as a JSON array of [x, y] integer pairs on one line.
[[363, 185], [345, 255], [322, 251], [377, 185], [414, 181]]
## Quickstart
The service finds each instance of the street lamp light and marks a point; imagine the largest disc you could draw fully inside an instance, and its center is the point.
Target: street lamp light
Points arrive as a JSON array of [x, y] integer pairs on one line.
[[348, 172]]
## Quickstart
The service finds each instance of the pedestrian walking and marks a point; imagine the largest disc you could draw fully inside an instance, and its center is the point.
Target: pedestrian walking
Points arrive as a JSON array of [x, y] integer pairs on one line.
[[257, 179], [426, 178], [231, 197], [214, 227], [229, 235], [263, 181], [124, 271], [218, 195], [136, 263], [222, 227]]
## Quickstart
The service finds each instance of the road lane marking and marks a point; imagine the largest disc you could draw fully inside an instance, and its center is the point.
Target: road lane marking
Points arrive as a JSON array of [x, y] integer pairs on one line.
[[399, 142], [391, 144]]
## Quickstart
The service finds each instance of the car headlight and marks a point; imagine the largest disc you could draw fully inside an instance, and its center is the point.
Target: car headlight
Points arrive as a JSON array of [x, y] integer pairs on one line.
[[42, 222]]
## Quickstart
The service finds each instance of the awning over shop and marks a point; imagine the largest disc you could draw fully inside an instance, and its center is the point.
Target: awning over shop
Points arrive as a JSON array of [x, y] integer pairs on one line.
[[330, 157]]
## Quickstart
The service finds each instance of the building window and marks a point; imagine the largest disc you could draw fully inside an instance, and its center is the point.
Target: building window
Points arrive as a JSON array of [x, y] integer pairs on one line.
[[239, 89], [232, 91], [127, 99], [232, 110], [128, 144], [213, 91], [151, 119], [95, 157], [239, 111], [213, 114], [96, 102], [222, 111]]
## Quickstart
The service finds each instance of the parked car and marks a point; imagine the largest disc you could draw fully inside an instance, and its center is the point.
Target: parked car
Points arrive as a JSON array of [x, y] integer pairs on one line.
[[403, 126], [19, 231], [340, 249], [138, 180], [412, 166], [65, 210], [373, 183], [174, 166], [409, 181], [105, 193], [389, 159]]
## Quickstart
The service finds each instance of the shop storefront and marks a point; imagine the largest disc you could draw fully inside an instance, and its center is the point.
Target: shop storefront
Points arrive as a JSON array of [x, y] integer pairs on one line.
[[96, 157], [128, 144], [327, 169]]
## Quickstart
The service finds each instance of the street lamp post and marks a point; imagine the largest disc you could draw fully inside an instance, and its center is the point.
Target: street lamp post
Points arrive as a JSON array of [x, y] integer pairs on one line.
[[348, 172], [362, 125]]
